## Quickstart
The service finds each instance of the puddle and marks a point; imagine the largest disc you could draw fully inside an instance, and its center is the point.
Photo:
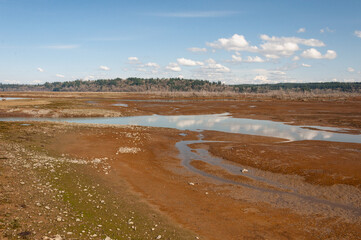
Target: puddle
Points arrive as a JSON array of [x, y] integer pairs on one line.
[[120, 105], [218, 122], [283, 191], [10, 98]]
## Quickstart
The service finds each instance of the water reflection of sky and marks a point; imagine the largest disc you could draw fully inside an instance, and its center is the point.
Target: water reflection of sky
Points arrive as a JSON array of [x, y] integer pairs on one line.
[[10, 98], [223, 123], [120, 105]]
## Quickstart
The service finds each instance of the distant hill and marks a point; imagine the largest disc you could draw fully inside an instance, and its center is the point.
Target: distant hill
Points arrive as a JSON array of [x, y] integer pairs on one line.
[[174, 85]]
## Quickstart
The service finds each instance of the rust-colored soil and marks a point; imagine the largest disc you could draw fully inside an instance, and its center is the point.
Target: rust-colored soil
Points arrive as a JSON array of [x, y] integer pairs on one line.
[[206, 207], [292, 190]]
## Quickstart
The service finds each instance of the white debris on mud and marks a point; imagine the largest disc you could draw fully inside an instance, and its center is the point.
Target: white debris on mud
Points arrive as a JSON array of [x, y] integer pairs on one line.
[[128, 150]]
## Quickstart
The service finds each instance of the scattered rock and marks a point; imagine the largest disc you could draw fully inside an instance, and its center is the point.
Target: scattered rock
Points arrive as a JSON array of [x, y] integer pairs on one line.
[[24, 234], [159, 237]]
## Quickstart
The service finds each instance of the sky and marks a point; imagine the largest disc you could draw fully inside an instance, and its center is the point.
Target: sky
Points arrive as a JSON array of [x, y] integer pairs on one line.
[[235, 42]]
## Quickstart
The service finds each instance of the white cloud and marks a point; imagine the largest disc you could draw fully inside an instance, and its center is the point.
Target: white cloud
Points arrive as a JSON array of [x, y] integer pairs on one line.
[[40, 69], [188, 62], [141, 69], [133, 60], [216, 67], [308, 42], [59, 75], [62, 47], [350, 69], [261, 78], [326, 29], [173, 67], [271, 47], [11, 81], [272, 56], [275, 47], [37, 81], [306, 65], [89, 77], [357, 33], [236, 58], [301, 30], [152, 64], [105, 68], [295, 58], [197, 50], [235, 43], [249, 59], [314, 54], [255, 59]]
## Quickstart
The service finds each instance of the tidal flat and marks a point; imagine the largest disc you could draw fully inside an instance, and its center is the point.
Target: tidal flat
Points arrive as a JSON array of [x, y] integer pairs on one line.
[[143, 166]]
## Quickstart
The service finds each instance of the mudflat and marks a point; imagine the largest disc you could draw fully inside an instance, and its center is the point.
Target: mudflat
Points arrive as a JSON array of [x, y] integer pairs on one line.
[[92, 181]]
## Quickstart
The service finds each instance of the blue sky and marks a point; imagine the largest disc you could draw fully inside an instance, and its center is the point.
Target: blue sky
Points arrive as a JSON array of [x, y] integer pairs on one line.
[[229, 41]]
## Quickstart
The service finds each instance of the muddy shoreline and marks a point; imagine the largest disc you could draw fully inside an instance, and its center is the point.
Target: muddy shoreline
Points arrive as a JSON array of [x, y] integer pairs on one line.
[[300, 190]]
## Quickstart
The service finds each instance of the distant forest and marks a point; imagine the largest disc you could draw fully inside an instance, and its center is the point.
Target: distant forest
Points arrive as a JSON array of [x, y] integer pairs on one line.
[[175, 85]]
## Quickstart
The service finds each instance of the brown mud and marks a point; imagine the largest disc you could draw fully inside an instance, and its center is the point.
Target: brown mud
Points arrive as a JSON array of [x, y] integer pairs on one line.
[[317, 195]]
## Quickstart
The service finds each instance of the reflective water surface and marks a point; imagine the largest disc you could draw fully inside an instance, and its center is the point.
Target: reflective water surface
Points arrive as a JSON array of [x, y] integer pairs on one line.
[[219, 122], [120, 105], [10, 98]]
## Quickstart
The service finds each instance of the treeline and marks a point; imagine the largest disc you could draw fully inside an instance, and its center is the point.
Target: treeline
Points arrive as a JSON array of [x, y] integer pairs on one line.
[[175, 85], [300, 87]]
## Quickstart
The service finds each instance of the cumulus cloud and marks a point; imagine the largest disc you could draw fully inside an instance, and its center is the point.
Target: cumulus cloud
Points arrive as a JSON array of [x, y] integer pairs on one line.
[[295, 58], [105, 68], [40, 69], [236, 58], [36, 81], [188, 62], [271, 47], [326, 30], [249, 59], [307, 42], [275, 47], [261, 78], [315, 54], [255, 59], [301, 30], [11, 81], [59, 75], [216, 67], [133, 60], [357, 33], [173, 67], [350, 69], [235, 43], [270, 76], [306, 65], [89, 77], [197, 50], [152, 64]]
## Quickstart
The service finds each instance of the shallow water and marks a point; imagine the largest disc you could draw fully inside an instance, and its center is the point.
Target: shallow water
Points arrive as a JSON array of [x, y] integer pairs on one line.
[[120, 105], [219, 122], [283, 192], [10, 98]]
